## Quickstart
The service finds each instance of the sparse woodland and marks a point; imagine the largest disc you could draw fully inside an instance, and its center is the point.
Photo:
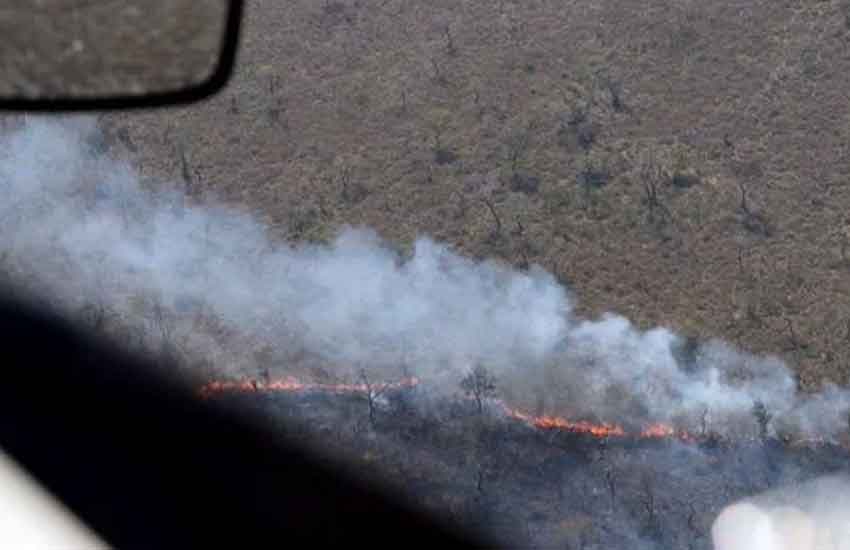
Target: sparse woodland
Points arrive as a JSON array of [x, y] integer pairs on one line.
[[681, 164]]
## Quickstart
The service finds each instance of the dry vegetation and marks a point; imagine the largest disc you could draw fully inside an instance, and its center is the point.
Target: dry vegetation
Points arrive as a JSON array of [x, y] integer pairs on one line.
[[681, 163]]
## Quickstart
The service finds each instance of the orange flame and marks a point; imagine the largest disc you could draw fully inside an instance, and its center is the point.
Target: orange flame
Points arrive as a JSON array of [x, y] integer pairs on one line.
[[545, 422], [290, 384]]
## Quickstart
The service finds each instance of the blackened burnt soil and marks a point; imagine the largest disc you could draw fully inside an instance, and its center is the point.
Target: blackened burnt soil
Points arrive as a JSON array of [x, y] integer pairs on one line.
[[525, 487]]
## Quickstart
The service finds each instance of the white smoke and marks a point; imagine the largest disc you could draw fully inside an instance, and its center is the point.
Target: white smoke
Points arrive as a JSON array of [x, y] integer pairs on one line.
[[808, 516], [80, 227]]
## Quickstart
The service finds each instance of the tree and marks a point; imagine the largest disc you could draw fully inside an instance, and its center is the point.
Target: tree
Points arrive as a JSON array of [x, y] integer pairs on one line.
[[517, 145], [653, 175], [497, 231], [479, 384], [763, 417], [652, 525], [371, 394]]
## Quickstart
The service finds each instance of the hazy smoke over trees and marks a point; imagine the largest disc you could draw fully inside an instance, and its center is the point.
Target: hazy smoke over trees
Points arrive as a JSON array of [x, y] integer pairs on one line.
[[80, 226]]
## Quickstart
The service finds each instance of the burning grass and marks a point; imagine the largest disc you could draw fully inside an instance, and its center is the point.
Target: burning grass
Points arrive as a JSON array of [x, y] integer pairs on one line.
[[523, 480], [290, 384]]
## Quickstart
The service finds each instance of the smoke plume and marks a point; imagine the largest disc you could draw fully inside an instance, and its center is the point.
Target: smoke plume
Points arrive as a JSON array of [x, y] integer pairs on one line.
[[80, 227]]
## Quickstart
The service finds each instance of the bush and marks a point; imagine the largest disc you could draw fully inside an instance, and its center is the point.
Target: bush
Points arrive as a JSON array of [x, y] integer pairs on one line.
[[684, 181], [444, 156], [525, 183], [595, 178]]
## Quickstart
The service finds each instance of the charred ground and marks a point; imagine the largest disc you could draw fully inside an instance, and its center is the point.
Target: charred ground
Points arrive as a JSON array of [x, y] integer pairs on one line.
[[526, 487]]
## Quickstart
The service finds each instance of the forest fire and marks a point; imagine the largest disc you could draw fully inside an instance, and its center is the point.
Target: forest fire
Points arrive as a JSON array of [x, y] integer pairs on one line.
[[290, 384], [545, 422]]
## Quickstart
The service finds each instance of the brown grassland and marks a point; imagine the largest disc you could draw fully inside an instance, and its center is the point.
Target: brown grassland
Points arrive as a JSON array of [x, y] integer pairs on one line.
[[682, 163]]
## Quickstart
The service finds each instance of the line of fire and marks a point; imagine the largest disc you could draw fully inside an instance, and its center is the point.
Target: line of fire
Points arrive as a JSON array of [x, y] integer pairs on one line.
[[545, 422]]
